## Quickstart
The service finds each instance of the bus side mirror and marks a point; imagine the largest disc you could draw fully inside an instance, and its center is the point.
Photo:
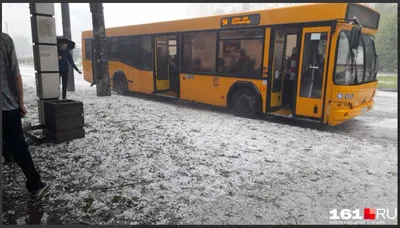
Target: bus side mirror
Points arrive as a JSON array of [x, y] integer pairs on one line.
[[355, 37]]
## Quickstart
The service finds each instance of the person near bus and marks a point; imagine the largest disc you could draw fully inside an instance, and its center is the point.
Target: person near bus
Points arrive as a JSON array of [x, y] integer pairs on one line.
[[290, 79], [173, 73], [13, 110], [244, 63], [64, 56]]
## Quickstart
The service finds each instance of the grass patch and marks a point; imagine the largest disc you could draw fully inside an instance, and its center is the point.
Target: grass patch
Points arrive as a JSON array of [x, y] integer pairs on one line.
[[87, 204], [387, 82]]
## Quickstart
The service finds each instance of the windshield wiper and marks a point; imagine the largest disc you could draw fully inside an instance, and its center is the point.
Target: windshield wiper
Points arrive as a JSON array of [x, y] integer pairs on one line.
[[354, 64]]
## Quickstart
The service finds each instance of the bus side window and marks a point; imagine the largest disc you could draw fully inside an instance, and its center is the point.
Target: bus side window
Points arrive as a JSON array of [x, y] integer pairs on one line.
[[88, 49], [199, 52], [241, 52]]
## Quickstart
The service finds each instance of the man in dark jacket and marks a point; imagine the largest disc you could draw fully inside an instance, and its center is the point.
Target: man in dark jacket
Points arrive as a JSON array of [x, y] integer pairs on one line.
[[290, 79], [13, 109], [64, 56]]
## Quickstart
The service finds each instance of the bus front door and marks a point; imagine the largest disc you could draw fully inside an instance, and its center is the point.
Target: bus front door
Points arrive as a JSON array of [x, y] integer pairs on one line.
[[312, 72]]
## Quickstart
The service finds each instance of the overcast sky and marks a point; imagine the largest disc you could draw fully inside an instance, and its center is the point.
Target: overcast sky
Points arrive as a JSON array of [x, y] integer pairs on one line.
[[116, 14], [119, 14]]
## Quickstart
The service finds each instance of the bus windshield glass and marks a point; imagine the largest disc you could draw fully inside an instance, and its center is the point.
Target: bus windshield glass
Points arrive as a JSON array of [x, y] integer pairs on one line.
[[355, 66]]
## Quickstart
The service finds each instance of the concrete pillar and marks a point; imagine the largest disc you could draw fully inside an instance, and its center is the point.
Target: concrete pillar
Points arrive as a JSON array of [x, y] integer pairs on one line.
[[45, 54], [66, 23]]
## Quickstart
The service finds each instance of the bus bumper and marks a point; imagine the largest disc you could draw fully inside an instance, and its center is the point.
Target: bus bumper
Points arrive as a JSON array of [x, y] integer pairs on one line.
[[342, 115]]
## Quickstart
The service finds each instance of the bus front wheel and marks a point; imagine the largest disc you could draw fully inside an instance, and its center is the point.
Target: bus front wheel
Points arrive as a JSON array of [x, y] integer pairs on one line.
[[120, 85], [244, 103]]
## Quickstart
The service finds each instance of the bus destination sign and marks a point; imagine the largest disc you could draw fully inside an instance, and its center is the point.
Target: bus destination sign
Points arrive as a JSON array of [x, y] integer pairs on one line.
[[253, 19]]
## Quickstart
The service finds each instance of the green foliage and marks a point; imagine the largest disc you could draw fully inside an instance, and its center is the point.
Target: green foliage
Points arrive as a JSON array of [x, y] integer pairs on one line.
[[387, 82], [88, 202], [386, 39]]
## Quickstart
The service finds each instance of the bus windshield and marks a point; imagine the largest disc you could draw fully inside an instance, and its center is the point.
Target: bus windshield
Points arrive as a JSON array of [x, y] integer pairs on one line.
[[355, 66]]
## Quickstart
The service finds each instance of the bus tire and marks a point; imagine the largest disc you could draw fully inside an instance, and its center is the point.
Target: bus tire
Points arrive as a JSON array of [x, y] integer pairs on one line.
[[120, 84], [244, 103]]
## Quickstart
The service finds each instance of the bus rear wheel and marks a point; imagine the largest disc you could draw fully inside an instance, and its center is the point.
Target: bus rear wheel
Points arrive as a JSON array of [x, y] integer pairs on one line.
[[120, 85], [244, 103]]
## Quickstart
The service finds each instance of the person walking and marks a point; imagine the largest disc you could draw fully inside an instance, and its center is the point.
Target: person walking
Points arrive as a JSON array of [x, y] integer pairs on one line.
[[64, 56], [13, 110]]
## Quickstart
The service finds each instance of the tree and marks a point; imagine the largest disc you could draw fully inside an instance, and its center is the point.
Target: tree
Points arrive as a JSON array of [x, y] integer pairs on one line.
[[386, 41]]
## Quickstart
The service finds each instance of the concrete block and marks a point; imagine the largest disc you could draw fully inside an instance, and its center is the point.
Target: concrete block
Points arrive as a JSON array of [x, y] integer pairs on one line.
[[64, 136], [48, 58], [44, 29], [42, 8], [63, 123], [48, 85], [41, 112], [55, 108]]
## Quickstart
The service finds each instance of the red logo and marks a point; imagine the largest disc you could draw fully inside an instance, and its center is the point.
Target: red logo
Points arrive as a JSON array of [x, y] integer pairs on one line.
[[369, 213]]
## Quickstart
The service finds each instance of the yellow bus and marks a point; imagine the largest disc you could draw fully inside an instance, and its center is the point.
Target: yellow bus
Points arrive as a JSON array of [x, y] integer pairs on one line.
[[312, 61]]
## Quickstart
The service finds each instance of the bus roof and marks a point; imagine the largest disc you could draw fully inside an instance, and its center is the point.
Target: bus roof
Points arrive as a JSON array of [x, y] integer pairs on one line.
[[282, 15]]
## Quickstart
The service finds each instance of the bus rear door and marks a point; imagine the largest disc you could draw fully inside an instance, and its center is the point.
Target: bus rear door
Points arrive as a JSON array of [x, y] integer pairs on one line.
[[276, 72], [161, 63], [166, 71]]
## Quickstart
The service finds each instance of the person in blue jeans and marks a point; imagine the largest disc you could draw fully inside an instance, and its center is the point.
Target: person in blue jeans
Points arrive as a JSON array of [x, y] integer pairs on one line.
[[65, 57], [13, 109]]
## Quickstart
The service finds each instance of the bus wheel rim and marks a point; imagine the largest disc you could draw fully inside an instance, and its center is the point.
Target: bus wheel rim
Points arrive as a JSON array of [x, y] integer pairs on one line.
[[120, 86], [244, 104]]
